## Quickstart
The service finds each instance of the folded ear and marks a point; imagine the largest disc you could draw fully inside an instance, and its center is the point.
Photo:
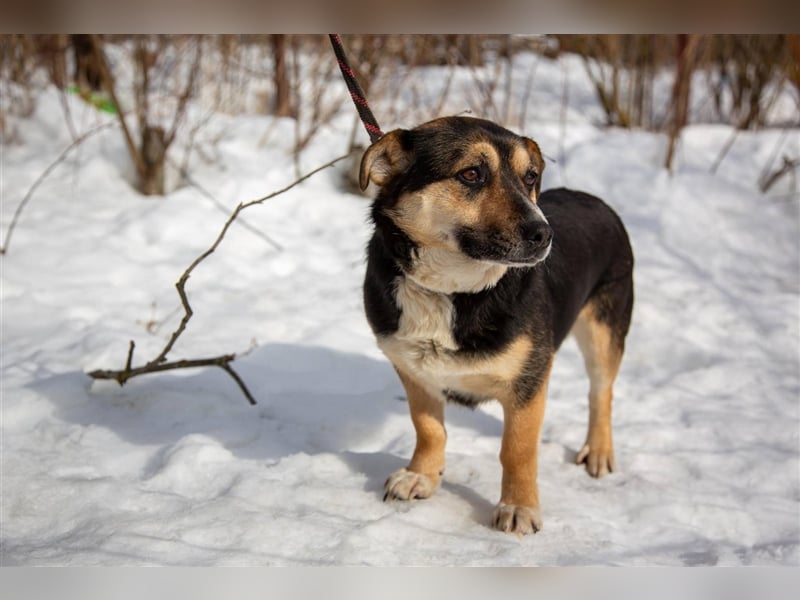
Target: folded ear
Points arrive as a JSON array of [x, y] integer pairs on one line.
[[384, 159], [538, 161]]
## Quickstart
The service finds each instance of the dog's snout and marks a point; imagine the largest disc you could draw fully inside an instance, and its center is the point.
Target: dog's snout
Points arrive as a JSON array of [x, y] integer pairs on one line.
[[537, 233]]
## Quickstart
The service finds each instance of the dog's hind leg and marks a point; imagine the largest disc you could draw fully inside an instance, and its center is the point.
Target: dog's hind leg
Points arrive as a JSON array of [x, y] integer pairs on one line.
[[600, 332], [422, 475]]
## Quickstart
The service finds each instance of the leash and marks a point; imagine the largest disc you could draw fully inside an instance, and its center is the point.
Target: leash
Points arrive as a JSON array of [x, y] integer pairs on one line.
[[356, 93]]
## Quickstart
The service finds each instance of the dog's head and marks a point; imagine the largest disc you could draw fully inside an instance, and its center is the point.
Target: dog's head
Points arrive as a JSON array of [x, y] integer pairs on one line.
[[462, 187]]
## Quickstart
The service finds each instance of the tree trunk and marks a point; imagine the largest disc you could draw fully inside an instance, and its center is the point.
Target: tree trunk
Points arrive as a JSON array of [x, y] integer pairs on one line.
[[87, 71], [283, 97], [154, 153], [53, 50], [793, 40], [687, 45]]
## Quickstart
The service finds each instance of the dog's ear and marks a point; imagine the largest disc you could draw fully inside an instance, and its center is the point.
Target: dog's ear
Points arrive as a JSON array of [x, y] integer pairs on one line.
[[384, 159], [538, 161]]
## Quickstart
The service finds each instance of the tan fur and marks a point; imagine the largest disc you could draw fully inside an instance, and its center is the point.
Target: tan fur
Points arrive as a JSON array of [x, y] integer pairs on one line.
[[521, 160], [494, 376], [430, 216], [519, 499], [602, 359], [381, 160], [478, 151], [538, 161], [423, 348], [424, 345], [430, 219], [427, 414]]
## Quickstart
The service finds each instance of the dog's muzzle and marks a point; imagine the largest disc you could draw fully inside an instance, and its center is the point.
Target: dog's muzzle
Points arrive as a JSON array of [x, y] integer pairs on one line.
[[528, 245], [537, 239]]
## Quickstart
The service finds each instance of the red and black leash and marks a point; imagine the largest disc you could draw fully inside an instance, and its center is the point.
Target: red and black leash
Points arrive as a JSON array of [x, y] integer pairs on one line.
[[356, 93]]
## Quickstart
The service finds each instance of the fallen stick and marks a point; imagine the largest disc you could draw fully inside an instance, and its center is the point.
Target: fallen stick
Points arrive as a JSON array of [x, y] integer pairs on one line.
[[160, 363]]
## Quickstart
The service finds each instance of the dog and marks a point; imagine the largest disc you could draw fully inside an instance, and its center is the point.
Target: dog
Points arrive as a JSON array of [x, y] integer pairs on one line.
[[473, 280]]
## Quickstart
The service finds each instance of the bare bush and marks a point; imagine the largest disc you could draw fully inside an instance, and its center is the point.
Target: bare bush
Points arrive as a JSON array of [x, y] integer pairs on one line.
[[18, 64], [745, 74], [156, 62], [295, 76], [686, 53]]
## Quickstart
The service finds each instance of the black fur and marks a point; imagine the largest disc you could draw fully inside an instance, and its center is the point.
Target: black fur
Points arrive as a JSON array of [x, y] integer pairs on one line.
[[476, 208], [383, 268], [591, 257], [464, 399], [436, 149]]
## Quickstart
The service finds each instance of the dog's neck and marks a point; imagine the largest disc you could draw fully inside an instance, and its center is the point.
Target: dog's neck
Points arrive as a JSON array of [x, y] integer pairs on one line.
[[440, 270], [448, 272]]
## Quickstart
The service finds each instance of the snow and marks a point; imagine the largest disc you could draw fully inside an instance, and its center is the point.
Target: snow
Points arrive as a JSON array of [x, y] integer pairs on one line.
[[177, 469]]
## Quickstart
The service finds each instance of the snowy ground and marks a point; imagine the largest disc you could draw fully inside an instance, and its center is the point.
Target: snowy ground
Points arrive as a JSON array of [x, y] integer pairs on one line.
[[178, 469]]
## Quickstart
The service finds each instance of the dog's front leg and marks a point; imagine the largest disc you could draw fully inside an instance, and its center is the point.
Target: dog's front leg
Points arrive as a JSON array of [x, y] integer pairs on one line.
[[422, 475], [518, 510]]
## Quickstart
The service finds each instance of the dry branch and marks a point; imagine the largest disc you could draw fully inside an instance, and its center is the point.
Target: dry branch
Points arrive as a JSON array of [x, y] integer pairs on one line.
[[788, 166], [160, 363], [681, 90], [61, 157], [108, 83], [223, 362], [184, 173]]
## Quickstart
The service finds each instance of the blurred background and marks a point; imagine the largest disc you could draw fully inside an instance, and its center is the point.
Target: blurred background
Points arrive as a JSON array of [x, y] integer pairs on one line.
[[150, 81]]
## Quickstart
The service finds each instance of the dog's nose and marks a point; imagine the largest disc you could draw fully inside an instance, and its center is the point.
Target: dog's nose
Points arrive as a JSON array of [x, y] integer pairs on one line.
[[537, 233]]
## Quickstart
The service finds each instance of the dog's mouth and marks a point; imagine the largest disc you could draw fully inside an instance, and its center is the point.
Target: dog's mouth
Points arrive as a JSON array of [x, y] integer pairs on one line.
[[528, 261], [497, 247]]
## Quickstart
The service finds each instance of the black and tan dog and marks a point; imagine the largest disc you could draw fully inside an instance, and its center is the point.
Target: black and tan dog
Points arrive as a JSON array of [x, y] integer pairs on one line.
[[473, 281]]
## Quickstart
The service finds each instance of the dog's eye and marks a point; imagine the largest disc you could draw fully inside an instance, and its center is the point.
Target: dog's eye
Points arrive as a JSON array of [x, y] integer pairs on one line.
[[470, 176], [530, 178]]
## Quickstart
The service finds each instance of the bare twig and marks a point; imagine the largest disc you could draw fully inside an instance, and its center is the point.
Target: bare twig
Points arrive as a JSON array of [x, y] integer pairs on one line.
[[788, 166], [62, 96], [725, 149], [185, 95], [681, 91], [486, 89], [562, 121], [190, 142], [184, 173], [181, 284], [159, 363], [131, 348], [445, 93], [773, 155], [526, 95], [153, 324], [223, 362], [509, 56], [61, 157], [108, 84]]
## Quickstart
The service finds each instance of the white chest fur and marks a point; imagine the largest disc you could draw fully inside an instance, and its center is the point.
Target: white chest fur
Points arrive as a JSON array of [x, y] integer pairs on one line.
[[423, 344], [424, 348], [447, 272]]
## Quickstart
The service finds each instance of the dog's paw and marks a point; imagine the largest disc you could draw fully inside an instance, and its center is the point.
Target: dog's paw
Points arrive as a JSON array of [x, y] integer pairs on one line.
[[511, 518], [598, 457], [408, 485]]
